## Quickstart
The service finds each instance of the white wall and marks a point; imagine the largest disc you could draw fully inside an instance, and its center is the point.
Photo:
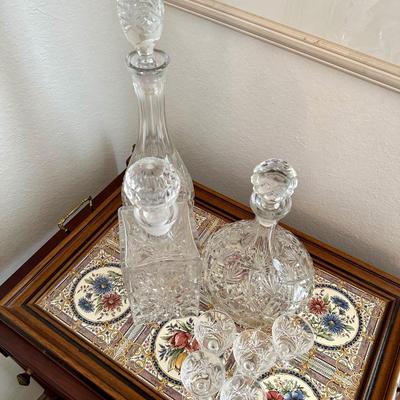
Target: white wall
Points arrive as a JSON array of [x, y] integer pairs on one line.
[[68, 118], [234, 101], [67, 114]]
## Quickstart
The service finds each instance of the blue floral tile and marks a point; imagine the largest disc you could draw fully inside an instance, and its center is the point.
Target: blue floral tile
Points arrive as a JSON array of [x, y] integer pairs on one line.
[[99, 296], [334, 317]]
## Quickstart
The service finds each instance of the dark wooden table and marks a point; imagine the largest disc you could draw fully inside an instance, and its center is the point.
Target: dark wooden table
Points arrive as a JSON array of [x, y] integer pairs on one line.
[[71, 368]]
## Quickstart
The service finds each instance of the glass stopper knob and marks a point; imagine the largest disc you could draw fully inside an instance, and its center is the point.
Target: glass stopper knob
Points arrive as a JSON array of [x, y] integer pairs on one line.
[[142, 23], [152, 183], [274, 181]]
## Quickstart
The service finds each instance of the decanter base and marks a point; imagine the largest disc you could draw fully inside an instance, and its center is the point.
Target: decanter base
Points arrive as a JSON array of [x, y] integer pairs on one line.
[[163, 291], [251, 280]]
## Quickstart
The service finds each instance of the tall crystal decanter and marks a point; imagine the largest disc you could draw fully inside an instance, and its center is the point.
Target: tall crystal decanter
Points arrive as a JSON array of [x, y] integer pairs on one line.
[[160, 262], [256, 270], [142, 22]]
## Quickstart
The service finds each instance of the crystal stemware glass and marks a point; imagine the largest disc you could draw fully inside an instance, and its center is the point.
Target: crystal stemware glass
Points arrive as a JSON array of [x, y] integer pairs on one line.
[[215, 331], [254, 353], [241, 387], [292, 336], [202, 374]]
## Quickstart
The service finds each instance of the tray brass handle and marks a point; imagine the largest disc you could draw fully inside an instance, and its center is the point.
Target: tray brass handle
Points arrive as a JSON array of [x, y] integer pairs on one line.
[[24, 379], [63, 220]]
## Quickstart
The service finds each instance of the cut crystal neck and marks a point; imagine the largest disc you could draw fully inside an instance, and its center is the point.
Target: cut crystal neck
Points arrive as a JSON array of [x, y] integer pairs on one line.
[[149, 84]]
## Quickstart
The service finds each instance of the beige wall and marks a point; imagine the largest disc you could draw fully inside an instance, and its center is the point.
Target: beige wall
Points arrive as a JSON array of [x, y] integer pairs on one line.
[[68, 117], [234, 101], [9, 388]]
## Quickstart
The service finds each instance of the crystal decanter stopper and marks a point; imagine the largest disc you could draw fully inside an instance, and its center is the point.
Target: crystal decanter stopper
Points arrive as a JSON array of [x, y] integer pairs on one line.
[[142, 23], [161, 265], [256, 270]]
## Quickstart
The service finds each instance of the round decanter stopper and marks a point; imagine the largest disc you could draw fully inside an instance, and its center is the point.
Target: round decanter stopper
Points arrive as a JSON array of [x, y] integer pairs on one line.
[[151, 182], [152, 185], [274, 181], [142, 23]]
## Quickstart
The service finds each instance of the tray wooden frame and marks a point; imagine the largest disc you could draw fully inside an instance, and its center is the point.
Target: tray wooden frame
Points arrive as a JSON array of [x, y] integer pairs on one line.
[[73, 369]]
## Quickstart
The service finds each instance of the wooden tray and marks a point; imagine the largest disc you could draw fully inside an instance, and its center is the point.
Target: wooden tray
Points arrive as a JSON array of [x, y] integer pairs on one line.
[[46, 332]]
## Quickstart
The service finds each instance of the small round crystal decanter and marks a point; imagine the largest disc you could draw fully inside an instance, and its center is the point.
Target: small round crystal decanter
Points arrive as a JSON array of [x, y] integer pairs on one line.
[[256, 270]]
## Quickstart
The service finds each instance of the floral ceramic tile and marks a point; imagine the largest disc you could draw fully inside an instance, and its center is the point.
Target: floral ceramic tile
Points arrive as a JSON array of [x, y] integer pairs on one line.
[[99, 297], [91, 301], [173, 342], [288, 385]]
